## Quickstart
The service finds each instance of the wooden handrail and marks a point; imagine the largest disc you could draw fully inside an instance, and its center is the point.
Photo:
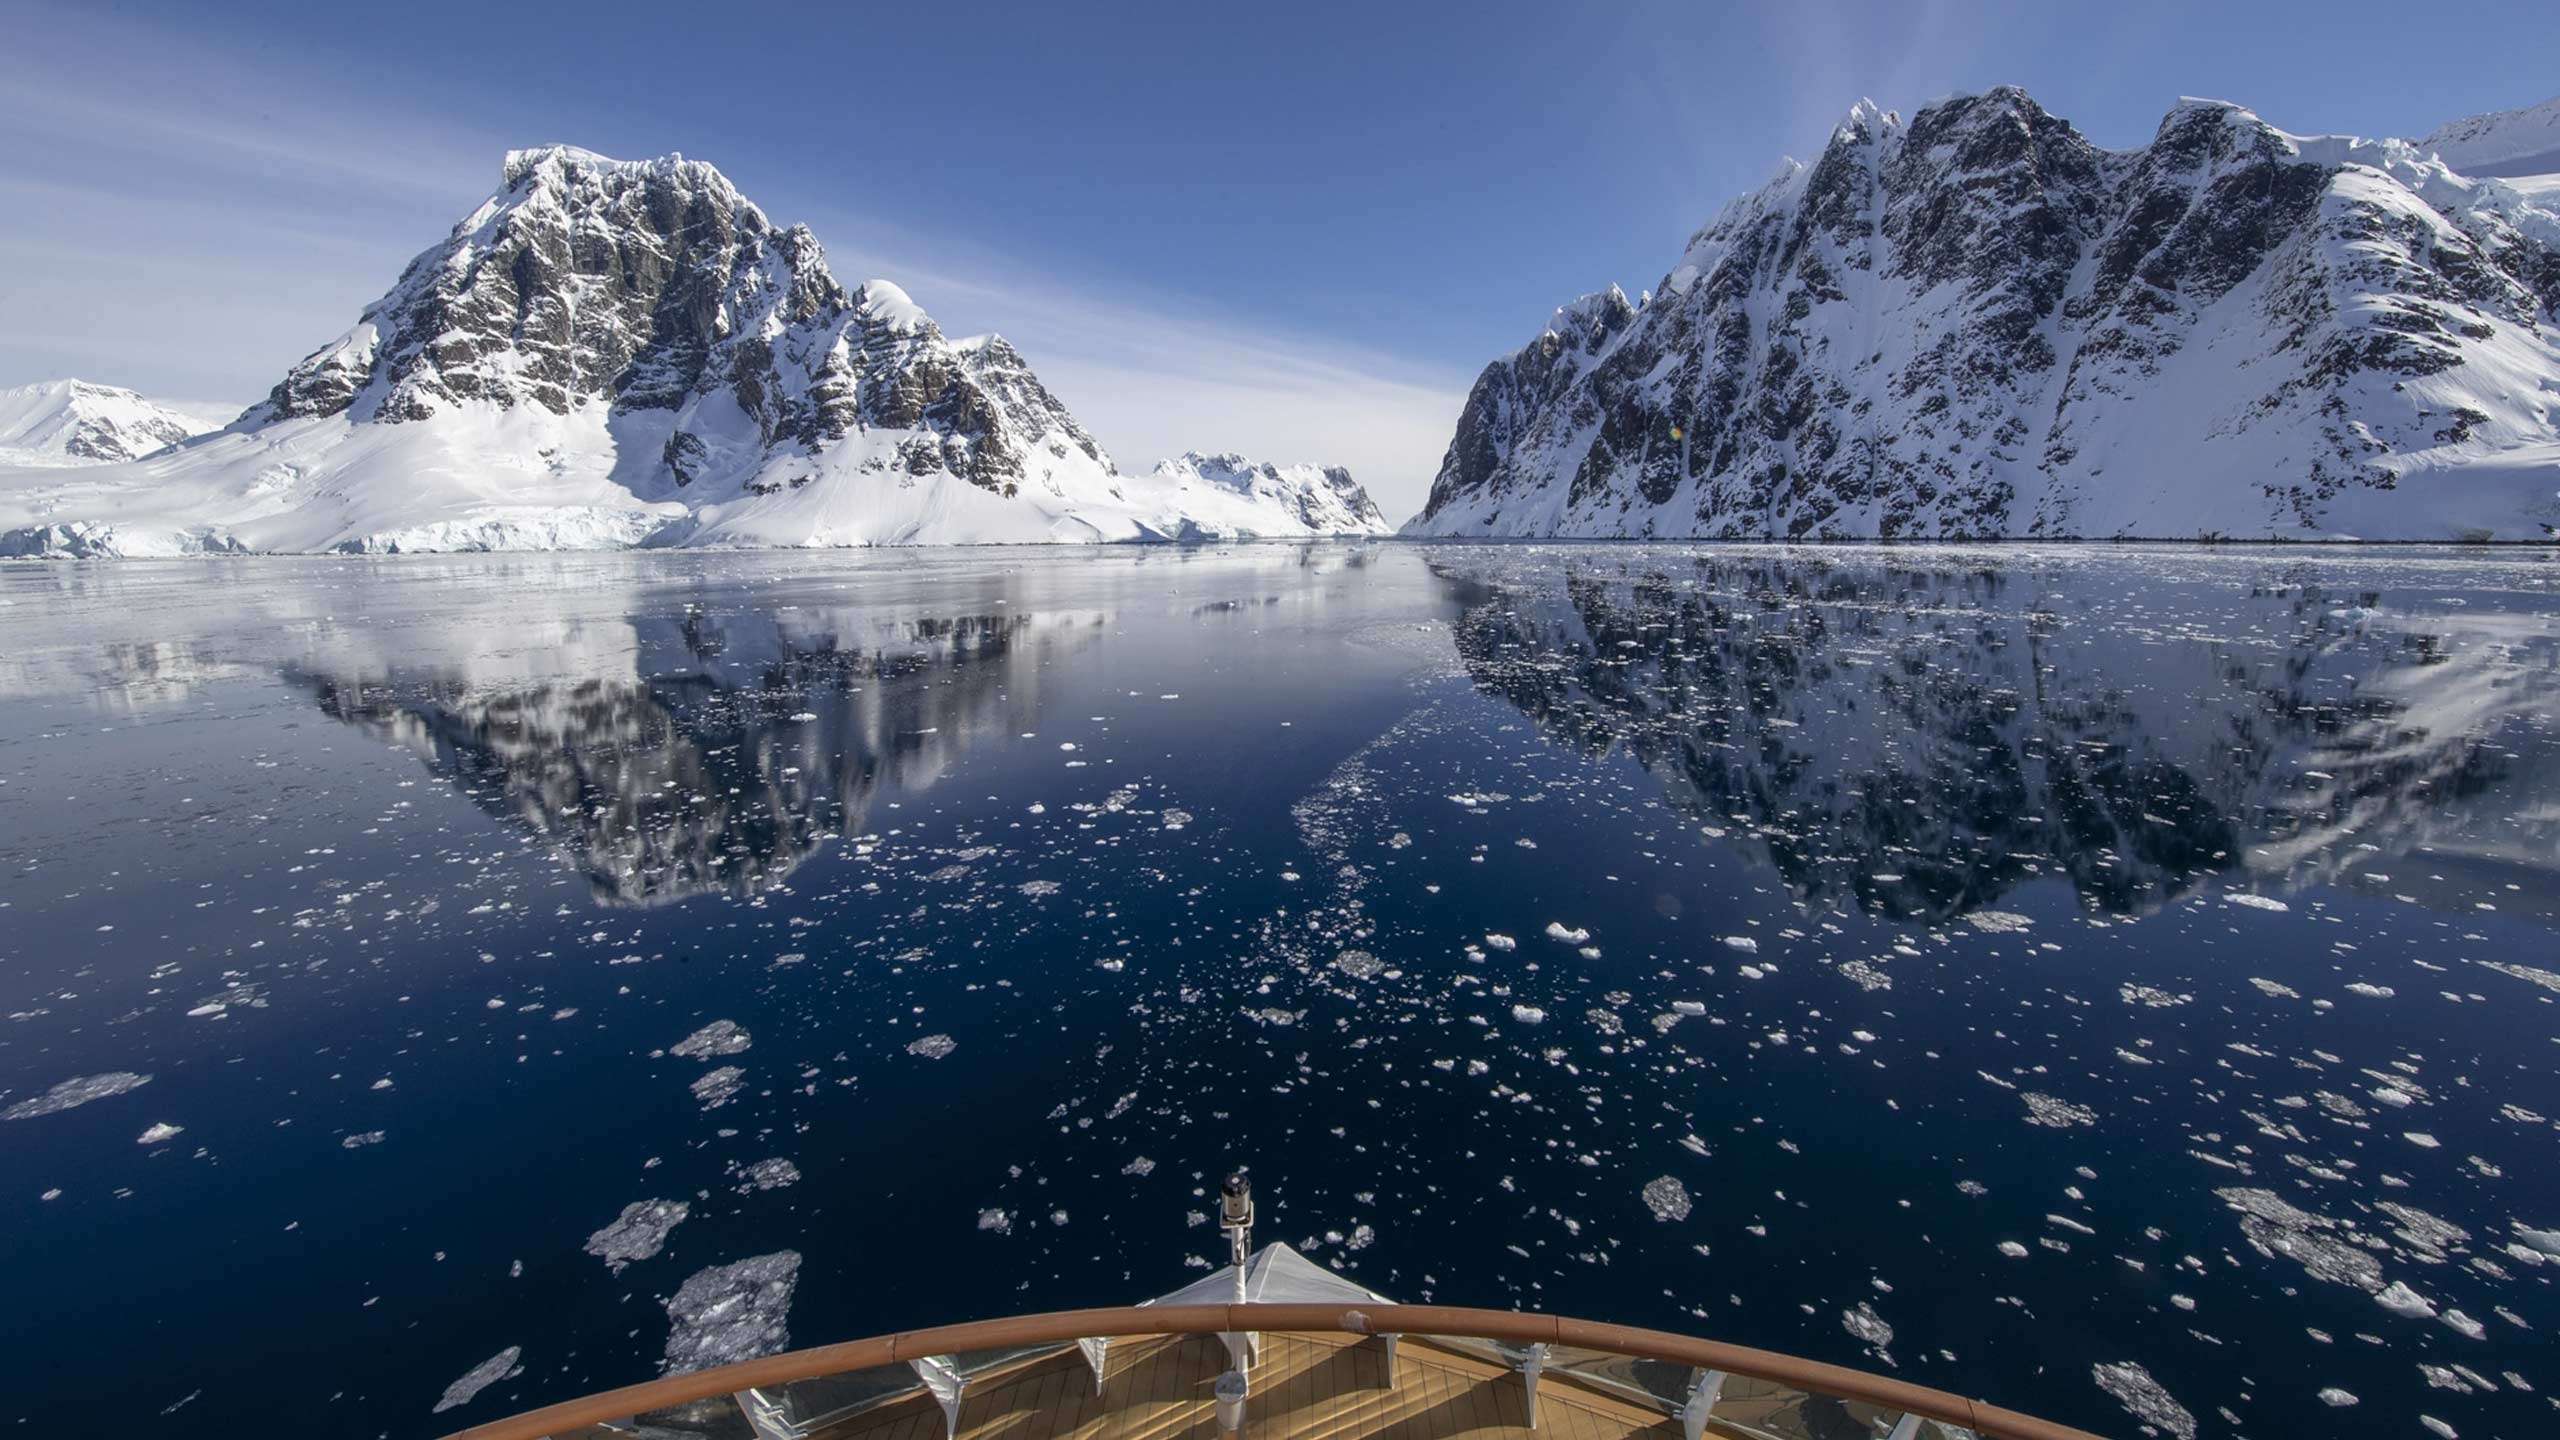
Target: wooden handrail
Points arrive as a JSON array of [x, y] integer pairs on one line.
[[1421, 1321]]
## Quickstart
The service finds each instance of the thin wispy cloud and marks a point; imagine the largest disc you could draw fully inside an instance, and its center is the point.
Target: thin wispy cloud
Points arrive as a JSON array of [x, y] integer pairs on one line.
[[1153, 376]]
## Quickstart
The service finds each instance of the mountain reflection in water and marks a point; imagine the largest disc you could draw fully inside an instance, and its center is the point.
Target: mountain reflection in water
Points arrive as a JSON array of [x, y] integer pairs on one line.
[[772, 733], [1916, 737]]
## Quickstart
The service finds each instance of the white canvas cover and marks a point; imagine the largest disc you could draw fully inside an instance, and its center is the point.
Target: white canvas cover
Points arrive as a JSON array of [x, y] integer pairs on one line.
[[1276, 1274]]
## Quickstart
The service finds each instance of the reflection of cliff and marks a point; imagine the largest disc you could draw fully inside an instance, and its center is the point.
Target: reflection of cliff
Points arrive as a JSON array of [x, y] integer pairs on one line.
[[1918, 736], [773, 733]]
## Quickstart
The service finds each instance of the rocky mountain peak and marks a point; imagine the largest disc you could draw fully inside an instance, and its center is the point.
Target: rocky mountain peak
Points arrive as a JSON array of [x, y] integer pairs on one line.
[[1976, 322]]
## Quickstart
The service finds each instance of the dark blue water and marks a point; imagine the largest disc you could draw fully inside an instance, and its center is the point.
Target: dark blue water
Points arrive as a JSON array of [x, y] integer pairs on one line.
[[2065, 958]]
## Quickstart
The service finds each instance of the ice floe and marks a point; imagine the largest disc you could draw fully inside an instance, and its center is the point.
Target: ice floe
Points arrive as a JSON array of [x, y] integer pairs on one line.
[[732, 1312], [501, 1366], [75, 1092], [720, 1037], [640, 1231]]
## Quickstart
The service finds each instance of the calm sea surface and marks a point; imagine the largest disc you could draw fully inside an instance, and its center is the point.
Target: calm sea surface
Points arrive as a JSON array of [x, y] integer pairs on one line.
[[2078, 977]]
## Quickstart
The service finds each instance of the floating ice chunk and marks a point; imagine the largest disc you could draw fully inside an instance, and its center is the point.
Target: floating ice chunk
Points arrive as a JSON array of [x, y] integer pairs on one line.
[[2013, 1249], [933, 1047], [1000, 1221], [1667, 1198], [1866, 976], [2399, 1299], [770, 1174], [75, 1092], [2546, 1241], [1743, 943], [360, 1140], [2059, 1114], [1867, 1325], [1687, 1007], [2134, 1389], [1501, 942], [1175, 819], [1997, 922], [1557, 932], [501, 1366], [732, 1312], [2547, 979], [2337, 1398], [2277, 1228], [720, 1037], [159, 1132], [719, 1087], [1358, 964], [2421, 1139], [2438, 1426], [2366, 988], [1036, 889], [2255, 902], [1528, 1014], [1754, 972], [639, 1232], [2465, 1325], [2151, 997]]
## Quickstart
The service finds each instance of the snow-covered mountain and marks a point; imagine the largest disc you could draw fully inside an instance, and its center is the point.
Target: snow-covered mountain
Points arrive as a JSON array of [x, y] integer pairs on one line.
[[2503, 143], [610, 353], [1976, 323], [1228, 497], [73, 422]]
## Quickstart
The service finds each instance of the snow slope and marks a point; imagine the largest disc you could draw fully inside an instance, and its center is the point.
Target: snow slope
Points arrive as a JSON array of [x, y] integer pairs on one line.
[[609, 353], [1228, 497], [1975, 323], [2502, 144], [73, 422]]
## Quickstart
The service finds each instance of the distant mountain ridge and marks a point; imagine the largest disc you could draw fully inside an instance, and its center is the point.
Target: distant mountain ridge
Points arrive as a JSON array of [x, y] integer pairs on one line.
[[609, 353], [1227, 496], [2503, 144], [1974, 323], [77, 422]]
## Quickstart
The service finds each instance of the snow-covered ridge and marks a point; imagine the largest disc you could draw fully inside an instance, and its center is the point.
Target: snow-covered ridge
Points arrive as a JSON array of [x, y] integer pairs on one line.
[[2503, 144], [610, 353], [75, 422], [1975, 323], [1229, 497]]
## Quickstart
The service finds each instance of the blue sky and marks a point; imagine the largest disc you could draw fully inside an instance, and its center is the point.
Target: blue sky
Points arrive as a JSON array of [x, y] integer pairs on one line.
[[1297, 229]]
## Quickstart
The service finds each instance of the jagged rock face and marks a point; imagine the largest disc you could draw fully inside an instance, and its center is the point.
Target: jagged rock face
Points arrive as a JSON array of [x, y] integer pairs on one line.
[[1977, 323], [583, 279], [73, 422], [654, 286], [1230, 496]]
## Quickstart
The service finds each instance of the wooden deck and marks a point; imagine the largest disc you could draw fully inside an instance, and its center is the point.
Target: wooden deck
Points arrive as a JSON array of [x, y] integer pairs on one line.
[[1306, 1387]]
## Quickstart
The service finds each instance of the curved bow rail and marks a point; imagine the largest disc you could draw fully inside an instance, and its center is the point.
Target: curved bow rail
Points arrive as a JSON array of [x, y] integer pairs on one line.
[[1063, 1327]]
